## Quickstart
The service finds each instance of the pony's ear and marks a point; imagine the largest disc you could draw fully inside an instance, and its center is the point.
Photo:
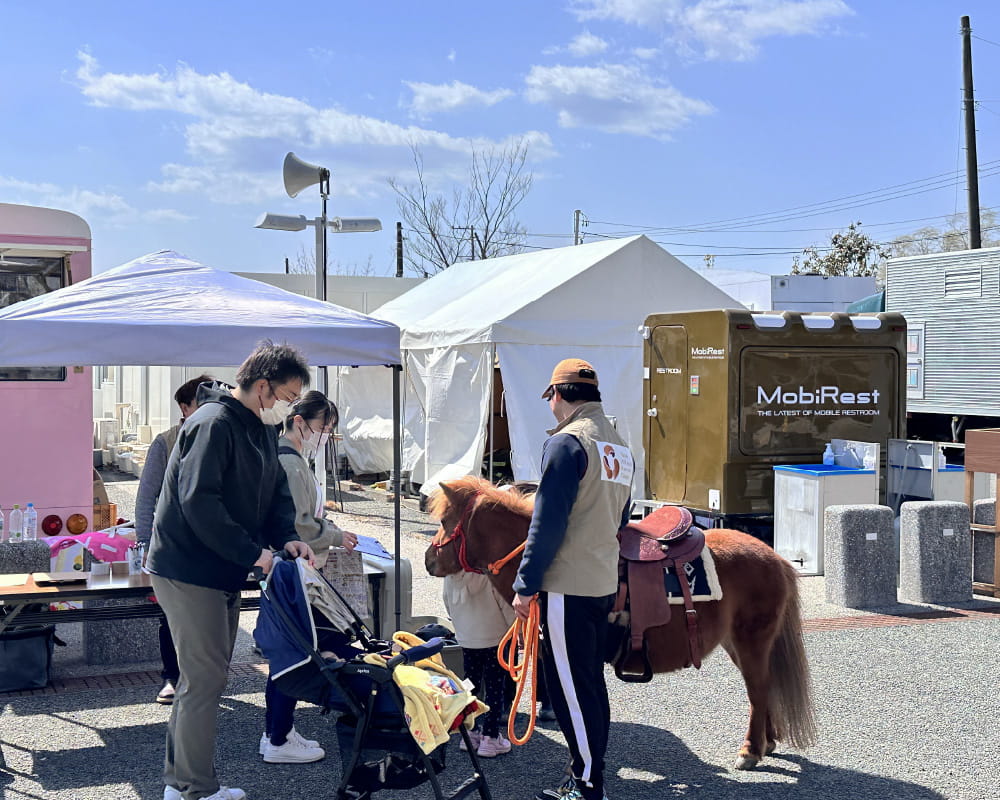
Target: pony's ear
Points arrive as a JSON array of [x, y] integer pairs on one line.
[[450, 492]]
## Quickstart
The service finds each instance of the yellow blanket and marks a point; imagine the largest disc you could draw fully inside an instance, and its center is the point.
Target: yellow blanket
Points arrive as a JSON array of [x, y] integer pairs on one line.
[[433, 695]]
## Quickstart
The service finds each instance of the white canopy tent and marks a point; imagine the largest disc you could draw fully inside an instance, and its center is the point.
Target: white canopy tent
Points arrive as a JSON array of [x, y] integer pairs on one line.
[[525, 312], [167, 310]]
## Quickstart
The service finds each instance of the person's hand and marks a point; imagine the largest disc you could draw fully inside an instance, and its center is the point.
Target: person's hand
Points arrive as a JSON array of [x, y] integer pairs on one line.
[[349, 541], [265, 561], [522, 603], [297, 549]]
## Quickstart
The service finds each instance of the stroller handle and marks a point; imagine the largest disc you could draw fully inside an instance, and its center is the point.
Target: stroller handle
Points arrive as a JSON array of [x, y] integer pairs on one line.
[[420, 651]]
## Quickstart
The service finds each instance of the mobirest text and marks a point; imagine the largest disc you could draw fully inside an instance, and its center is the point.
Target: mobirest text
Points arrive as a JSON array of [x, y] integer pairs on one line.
[[824, 394]]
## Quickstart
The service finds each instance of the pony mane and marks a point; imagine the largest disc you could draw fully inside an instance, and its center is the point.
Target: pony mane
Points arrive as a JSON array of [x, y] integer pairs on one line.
[[511, 498]]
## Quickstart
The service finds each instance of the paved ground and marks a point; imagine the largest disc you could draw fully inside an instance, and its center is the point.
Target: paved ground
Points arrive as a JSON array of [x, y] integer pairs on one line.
[[907, 703]]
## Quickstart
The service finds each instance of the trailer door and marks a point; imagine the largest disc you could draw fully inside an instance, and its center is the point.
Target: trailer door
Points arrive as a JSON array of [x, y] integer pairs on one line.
[[666, 421]]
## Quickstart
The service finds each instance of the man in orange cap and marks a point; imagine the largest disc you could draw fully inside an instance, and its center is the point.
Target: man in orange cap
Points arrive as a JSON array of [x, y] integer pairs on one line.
[[570, 564]]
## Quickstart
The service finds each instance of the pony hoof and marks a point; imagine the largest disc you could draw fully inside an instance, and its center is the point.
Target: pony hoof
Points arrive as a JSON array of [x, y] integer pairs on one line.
[[771, 747], [746, 761]]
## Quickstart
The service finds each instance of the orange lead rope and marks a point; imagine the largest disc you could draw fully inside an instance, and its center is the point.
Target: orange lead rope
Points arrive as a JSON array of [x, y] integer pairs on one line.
[[523, 635]]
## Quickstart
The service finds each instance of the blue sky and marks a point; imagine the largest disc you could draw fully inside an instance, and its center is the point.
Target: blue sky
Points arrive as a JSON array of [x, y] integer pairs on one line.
[[165, 124]]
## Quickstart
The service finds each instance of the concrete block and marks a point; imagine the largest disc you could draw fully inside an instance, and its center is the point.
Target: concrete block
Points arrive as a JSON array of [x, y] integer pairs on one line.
[[21, 557], [120, 641], [983, 552], [860, 548], [935, 552]]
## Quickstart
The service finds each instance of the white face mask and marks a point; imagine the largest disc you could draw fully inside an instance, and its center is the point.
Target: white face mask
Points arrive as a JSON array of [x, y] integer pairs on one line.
[[311, 444], [276, 414]]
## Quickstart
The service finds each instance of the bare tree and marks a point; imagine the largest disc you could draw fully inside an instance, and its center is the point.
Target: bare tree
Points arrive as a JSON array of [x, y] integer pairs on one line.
[[478, 219], [954, 236], [305, 264]]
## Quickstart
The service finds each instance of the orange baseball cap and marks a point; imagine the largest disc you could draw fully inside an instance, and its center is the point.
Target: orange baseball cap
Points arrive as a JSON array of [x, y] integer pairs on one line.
[[571, 370]]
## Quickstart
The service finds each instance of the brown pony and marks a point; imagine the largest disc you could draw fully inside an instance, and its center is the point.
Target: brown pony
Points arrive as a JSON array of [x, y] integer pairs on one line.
[[757, 621]]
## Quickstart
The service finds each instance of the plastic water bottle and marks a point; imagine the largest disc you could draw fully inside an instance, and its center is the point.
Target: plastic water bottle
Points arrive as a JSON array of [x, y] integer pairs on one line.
[[828, 457], [16, 524], [30, 523]]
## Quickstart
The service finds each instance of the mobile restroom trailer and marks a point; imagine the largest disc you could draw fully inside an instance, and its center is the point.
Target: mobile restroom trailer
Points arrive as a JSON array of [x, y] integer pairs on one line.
[[951, 302], [730, 394]]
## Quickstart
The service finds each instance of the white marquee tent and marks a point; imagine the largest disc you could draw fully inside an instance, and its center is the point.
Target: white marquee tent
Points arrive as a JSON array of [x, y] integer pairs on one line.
[[524, 312], [165, 309]]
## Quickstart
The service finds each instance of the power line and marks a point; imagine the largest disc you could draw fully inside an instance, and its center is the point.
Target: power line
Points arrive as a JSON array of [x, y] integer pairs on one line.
[[980, 38], [884, 194]]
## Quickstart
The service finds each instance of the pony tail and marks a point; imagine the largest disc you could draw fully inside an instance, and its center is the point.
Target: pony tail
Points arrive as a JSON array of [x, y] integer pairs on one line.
[[791, 703]]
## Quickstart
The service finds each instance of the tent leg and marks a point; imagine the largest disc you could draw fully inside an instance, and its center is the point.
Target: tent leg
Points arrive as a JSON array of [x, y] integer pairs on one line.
[[493, 363], [397, 465]]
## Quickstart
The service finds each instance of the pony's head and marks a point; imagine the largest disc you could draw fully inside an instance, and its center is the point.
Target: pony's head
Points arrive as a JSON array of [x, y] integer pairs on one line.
[[479, 524]]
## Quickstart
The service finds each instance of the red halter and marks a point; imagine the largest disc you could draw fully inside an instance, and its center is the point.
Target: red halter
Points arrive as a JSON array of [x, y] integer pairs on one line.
[[459, 533]]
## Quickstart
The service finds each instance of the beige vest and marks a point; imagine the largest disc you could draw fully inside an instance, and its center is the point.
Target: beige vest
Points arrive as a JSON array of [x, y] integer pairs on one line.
[[586, 563], [170, 438]]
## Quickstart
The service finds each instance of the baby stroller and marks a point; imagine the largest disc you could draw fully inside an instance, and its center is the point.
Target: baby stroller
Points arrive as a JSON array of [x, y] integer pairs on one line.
[[303, 616]]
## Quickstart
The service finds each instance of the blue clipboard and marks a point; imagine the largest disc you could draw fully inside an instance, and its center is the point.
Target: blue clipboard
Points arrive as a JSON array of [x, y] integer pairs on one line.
[[372, 546]]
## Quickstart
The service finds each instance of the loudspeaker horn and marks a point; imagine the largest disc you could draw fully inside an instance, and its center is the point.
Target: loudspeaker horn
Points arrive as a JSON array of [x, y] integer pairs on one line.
[[299, 174]]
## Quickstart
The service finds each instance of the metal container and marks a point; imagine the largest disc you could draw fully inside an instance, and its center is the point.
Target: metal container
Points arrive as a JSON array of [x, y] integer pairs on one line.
[[730, 394]]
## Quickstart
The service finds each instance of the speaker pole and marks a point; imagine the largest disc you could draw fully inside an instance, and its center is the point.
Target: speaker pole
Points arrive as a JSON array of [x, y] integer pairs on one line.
[[321, 249]]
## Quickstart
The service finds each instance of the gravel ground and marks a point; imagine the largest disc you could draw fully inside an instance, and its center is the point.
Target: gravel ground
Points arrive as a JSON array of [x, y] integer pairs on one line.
[[908, 712]]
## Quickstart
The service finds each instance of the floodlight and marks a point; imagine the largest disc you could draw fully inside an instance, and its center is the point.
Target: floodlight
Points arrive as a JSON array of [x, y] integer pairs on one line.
[[355, 224], [282, 222]]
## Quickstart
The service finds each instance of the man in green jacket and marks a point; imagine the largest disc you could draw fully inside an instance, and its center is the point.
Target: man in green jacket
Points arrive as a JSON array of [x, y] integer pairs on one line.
[[224, 504]]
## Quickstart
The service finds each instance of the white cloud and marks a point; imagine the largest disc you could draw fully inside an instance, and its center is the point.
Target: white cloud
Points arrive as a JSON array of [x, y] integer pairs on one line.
[[236, 129], [451, 55], [586, 44], [645, 53], [582, 46], [615, 98], [108, 207], [721, 29], [431, 98]]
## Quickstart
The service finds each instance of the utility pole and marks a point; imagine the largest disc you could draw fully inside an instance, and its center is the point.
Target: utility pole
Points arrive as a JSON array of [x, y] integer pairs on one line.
[[578, 215], [399, 249], [971, 161]]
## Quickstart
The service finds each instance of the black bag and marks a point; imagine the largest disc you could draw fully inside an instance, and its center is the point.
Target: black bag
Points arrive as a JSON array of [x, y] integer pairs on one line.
[[26, 657]]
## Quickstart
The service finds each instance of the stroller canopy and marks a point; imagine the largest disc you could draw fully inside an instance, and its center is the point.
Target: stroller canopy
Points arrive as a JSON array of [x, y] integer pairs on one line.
[[299, 591]]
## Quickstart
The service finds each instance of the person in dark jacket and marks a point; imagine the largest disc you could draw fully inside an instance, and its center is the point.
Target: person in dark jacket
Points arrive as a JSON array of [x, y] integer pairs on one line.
[[224, 504], [145, 504]]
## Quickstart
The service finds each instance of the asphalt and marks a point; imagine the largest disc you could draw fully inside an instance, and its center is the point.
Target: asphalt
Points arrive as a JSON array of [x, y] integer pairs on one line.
[[907, 705]]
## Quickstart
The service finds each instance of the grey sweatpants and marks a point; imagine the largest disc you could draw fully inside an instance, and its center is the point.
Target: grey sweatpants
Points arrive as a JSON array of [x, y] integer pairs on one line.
[[204, 623]]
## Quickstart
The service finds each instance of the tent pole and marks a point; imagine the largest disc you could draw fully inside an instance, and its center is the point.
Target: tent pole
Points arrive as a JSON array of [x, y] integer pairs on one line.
[[397, 465], [493, 363]]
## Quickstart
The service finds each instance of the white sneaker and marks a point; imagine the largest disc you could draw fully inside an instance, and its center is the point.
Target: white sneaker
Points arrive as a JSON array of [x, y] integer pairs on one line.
[[225, 793], [293, 736], [170, 793], [491, 747], [166, 696], [475, 737], [291, 752]]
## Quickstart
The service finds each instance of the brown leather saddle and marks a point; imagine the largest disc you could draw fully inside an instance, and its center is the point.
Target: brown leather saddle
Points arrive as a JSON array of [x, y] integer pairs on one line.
[[666, 539]]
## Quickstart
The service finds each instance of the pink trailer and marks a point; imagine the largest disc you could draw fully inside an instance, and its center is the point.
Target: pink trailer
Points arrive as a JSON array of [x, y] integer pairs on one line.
[[47, 442]]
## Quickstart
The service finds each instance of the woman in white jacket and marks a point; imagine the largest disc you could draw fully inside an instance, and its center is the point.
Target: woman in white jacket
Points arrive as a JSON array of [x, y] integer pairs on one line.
[[306, 430], [481, 617]]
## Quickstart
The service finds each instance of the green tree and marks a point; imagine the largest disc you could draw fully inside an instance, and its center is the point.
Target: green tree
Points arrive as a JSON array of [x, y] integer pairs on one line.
[[851, 252]]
